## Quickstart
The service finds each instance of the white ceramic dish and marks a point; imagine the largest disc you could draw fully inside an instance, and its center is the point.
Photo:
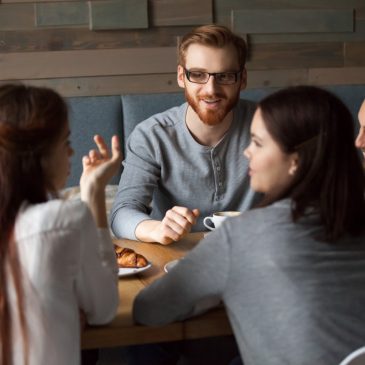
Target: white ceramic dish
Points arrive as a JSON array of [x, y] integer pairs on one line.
[[170, 265], [128, 271]]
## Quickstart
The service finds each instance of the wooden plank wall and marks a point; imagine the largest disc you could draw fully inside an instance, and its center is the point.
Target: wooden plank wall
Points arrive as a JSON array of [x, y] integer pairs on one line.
[[108, 47]]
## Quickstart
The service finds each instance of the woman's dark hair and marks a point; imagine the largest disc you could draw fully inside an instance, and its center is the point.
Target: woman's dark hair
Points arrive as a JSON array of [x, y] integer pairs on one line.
[[319, 127], [31, 120]]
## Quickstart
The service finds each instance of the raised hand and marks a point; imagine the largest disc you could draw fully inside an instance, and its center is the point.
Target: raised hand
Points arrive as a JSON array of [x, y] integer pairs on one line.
[[98, 168]]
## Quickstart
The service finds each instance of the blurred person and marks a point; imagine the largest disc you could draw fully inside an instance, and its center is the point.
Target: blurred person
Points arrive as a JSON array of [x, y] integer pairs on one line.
[[360, 139], [183, 164], [57, 258], [291, 272]]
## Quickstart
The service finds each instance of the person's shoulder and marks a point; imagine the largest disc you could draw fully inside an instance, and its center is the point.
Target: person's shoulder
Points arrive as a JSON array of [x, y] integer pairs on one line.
[[52, 215], [168, 118], [247, 106]]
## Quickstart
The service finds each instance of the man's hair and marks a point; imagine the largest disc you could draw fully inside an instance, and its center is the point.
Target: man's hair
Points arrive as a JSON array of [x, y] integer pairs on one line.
[[216, 36], [317, 125]]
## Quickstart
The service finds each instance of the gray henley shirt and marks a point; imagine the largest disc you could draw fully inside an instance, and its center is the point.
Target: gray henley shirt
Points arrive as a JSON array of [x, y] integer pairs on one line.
[[165, 166]]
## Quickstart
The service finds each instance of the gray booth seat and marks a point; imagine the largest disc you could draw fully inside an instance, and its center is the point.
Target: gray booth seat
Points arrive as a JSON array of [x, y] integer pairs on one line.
[[108, 115], [89, 116]]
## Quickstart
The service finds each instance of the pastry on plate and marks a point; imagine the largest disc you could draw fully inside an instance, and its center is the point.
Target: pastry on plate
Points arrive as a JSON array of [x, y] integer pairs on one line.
[[126, 257]]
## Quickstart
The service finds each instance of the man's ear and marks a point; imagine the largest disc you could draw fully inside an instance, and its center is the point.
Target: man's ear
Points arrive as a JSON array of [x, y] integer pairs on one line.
[[243, 82], [293, 164], [181, 76]]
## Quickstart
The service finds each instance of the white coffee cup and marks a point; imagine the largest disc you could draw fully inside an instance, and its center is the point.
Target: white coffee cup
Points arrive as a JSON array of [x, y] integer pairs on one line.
[[218, 218]]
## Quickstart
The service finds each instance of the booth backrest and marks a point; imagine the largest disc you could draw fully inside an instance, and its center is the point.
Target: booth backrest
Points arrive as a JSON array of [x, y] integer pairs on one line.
[[119, 114]]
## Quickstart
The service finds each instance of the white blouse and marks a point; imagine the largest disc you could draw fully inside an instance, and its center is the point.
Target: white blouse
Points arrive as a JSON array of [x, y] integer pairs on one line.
[[68, 265]]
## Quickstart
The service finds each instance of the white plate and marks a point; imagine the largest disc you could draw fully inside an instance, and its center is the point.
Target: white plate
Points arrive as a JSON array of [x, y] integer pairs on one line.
[[128, 271], [170, 265]]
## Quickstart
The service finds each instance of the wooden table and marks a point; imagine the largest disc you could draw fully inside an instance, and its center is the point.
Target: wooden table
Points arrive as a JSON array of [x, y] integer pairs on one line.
[[123, 331]]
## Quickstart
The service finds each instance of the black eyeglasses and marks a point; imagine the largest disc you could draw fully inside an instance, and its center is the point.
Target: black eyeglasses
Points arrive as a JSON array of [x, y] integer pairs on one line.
[[222, 78]]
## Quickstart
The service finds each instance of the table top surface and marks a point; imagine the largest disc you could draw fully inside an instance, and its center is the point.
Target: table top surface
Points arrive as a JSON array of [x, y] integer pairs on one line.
[[123, 331]]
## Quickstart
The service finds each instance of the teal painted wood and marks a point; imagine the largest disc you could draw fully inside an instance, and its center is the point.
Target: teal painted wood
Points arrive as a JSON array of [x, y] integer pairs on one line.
[[293, 21], [118, 14], [61, 14]]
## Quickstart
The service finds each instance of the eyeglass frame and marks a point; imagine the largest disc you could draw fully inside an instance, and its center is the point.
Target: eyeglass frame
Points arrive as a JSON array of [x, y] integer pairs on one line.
[[235, 73]]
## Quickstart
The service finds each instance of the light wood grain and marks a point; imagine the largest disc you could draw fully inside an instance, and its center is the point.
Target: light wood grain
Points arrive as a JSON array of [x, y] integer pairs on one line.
[[36, 65], [122, 330]]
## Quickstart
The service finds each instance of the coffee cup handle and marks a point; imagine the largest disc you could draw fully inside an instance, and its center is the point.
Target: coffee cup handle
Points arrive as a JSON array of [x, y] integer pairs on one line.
[[206, 224]]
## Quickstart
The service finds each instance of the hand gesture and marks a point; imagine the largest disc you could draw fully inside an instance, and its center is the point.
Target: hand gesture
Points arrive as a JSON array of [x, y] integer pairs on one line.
[[99, 167]]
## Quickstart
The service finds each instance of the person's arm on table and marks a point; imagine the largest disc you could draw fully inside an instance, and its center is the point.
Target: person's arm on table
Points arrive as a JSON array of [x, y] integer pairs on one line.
[[200, 277], [130, 212], [175, 225]]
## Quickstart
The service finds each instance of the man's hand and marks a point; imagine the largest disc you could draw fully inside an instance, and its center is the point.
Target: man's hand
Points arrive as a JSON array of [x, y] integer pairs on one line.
[[174, 226]]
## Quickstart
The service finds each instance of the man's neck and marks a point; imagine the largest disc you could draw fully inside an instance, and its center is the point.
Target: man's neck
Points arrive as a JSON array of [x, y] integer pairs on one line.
[[207, 135]]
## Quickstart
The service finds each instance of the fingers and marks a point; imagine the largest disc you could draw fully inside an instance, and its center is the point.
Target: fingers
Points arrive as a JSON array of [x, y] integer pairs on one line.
[[102, 147], [103, 150], [116, 151], [177, 223]]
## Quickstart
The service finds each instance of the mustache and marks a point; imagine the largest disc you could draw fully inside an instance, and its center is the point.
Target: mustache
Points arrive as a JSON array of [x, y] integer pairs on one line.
[[212, 96]]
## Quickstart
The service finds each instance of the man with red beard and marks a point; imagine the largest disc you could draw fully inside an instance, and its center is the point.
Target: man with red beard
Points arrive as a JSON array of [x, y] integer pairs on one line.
[[186, 163]]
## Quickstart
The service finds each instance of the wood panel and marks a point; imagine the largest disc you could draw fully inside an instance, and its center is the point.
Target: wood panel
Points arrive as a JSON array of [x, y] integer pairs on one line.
[[357, 35], [40, 65], [109, 85], [116, 14], [77, 39], [180, 12], [223, 8], [16, 16], [61, 14], [355, 54], [292, 21], [337, 76], [276, 78], [266, 56]]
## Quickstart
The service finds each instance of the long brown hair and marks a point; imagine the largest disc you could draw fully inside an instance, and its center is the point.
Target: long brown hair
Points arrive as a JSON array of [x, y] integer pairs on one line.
[[317, 125], [31, 120]]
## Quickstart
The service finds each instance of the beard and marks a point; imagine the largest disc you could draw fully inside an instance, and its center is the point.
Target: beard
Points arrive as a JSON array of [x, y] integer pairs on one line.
[[211, 117]]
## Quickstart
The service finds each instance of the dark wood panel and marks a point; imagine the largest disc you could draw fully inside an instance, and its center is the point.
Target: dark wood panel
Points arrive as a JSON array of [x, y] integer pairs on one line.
[[357, 35], [337, 76], [16, 16], [77, 39], [355, 54], [292, 21], [128, 61], [223, 8], [116, 14], [62, 14], [180, 12], [32, 1], [294, 55]]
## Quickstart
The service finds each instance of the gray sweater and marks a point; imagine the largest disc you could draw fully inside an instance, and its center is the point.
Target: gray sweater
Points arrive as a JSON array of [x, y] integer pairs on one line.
[[290, 299], [165, 166]]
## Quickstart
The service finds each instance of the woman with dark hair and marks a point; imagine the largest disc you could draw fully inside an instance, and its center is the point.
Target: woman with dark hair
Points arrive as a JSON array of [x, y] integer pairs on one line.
[[291, 273], [56, 256]]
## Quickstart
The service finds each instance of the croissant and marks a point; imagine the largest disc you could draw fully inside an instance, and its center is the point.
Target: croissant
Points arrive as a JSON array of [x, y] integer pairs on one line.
[[126, 257]]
